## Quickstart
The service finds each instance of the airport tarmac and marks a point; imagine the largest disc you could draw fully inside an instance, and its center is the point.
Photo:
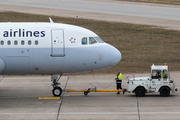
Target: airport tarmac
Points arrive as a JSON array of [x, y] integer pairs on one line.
[[19, 100]]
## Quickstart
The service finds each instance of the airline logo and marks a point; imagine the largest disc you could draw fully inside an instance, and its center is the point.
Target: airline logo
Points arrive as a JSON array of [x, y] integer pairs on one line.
[[23, 33]]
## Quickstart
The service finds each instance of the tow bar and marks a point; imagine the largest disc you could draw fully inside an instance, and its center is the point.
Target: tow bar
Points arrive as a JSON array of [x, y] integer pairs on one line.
[[86, 92]]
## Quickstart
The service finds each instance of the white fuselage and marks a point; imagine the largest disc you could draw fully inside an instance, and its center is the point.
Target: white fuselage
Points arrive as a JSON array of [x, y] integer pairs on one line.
[[52, 48]]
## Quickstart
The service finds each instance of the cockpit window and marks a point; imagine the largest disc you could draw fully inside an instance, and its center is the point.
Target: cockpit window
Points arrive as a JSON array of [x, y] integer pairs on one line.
[[99, 40], [92, 40], [84, 41]]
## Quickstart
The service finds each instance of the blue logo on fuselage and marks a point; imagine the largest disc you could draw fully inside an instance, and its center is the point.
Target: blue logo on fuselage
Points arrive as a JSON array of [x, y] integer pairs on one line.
[[23, 33]]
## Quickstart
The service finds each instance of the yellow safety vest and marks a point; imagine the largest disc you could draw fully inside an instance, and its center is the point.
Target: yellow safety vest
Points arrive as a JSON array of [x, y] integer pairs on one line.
[[120, 76], [164, 74]]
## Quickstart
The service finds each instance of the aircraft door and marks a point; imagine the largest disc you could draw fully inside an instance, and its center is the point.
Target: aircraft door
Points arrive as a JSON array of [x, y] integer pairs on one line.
[[57, 43]]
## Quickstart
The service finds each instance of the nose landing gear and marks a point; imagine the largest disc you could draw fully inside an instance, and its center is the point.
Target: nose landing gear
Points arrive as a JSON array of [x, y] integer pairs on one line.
[[57, 91]]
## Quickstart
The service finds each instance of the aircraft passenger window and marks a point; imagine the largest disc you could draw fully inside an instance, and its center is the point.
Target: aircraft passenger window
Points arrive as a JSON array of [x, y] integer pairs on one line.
[[22, 42], [84, 41], [15, 42], [9, 42], [36, 42], [29, 42], [99, 40], [2, 42], [92, 40]]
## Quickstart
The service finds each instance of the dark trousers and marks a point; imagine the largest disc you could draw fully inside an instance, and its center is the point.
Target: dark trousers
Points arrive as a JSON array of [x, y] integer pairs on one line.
[[119, 86]]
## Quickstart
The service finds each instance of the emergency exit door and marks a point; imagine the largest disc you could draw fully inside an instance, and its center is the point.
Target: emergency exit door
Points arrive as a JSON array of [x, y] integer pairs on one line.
[[58, 45]]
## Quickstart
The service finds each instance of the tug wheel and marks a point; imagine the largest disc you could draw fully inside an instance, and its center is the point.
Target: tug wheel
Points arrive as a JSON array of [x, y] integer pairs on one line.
[[164, 92], [140, 91]]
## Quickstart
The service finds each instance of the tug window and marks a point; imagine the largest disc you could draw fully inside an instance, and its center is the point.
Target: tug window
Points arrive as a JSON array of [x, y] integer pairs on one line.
[[84, 41], [2, 42], [15, 42], [22, 42], [92, 40], [9, 42], [156, 74], [36, 42], [164, 74]]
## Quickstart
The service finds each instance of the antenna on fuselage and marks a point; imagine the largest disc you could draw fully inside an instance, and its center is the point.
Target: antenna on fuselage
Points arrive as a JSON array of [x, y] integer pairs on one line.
[[51, 21]]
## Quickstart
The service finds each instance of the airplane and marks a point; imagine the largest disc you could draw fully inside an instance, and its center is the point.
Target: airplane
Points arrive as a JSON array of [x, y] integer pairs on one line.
[[52, 49]]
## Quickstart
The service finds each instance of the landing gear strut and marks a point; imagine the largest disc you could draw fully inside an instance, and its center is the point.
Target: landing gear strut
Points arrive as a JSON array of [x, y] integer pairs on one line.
[[57, 91]]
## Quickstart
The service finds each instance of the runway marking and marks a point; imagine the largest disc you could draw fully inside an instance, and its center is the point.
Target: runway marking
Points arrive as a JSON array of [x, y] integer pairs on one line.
[[101, 113], [138, 108], [96, 113], [62, 99], [47, 98], [27, 113]]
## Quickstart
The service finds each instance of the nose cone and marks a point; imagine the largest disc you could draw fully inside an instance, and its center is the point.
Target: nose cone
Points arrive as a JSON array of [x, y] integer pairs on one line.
[[115, 56]]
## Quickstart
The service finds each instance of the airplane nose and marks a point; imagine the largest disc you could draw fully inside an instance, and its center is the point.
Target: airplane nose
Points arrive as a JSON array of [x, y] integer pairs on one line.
[[115, 56]]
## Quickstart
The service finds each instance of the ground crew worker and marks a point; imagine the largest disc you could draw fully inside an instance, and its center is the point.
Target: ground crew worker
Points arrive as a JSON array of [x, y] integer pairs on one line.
[[158, 75], [164, 74], [119, 81]]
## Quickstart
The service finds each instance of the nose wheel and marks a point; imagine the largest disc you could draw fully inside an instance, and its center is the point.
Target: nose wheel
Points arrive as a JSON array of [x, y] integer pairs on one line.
[[57, 91]]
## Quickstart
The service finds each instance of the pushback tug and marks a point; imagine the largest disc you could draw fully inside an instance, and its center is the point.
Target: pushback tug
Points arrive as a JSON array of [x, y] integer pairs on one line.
[[159, 81]]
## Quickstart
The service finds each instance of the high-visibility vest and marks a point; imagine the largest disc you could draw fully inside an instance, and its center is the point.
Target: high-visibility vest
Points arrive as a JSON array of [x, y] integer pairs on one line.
[[160, 74], [120, 76], [164, 74]]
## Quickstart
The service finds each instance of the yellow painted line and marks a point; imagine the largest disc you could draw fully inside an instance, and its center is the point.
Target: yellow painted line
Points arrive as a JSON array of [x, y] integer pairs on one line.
[[47, 98]]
